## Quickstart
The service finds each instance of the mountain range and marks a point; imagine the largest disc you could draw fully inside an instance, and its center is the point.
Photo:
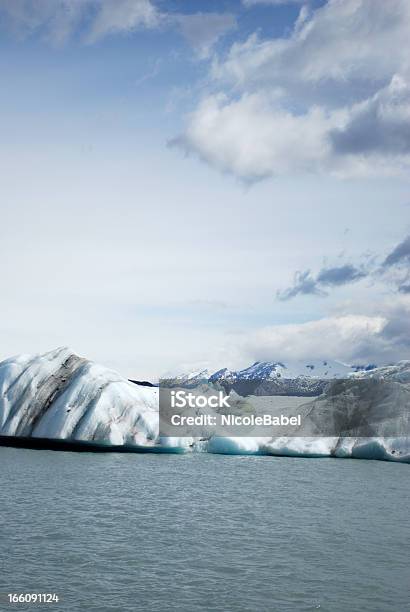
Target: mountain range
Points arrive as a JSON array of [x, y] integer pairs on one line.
[[304, 378]]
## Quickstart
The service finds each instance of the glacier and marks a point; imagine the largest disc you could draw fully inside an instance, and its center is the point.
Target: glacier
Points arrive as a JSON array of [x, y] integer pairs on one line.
[[62, 397]]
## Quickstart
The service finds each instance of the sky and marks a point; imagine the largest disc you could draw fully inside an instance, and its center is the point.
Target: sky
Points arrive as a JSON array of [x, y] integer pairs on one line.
[[191, 184]]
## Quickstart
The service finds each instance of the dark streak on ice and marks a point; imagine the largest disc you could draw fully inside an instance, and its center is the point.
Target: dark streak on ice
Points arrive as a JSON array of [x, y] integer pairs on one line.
[[47, 393]]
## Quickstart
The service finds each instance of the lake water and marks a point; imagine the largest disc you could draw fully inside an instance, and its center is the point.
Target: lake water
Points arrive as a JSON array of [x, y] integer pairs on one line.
[[119, 533]]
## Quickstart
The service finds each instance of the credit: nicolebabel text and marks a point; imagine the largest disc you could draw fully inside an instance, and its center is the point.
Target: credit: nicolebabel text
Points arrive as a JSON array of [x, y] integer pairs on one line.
[[252, 420]]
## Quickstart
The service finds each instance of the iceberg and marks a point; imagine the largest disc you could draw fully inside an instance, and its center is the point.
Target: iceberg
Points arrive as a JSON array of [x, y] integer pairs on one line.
[[61, 400]]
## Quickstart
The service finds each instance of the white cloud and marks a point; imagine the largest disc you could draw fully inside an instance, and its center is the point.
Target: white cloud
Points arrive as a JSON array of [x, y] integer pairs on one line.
[[351, 338], [298, 104], [254, 137], [58, 21], [115, 16], [350, 41], [55, 21], [203, 30], [333, 337]]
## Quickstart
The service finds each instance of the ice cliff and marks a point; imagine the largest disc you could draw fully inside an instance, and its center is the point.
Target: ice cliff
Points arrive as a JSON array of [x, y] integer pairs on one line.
[[61, 396]]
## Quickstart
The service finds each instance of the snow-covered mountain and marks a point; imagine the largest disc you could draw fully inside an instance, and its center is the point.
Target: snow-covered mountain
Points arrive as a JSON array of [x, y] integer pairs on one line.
[[190, 379], [400, 372], [62, 398], [265, 370], [304, 378]]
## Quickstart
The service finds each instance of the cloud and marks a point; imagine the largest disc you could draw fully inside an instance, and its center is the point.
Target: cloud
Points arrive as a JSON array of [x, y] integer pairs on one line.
[[399, 255], [306, 284], [249, 3], [331, 98], [114, 16], [341, 275], [58, 21], [395, 269], [380, 125], [203, 30], [254, 137], [344, 337], [95, 19], [390, 271], [394, 339], [334, 45], [351, 338]]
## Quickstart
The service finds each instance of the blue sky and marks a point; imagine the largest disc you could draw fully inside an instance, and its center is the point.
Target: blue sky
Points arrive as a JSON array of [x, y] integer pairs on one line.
[[205, 183]]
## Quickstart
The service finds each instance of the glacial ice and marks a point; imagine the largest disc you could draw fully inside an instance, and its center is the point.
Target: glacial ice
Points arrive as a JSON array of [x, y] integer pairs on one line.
[[61, 396]]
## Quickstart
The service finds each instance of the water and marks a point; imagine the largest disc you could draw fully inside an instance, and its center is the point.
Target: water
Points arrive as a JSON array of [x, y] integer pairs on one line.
[[119, 533]]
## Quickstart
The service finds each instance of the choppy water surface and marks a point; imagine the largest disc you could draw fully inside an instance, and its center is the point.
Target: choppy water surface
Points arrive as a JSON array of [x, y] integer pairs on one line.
[[113, 533]]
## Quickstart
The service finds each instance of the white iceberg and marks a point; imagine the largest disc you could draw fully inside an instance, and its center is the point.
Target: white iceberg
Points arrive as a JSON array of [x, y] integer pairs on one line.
[[62, 397]]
